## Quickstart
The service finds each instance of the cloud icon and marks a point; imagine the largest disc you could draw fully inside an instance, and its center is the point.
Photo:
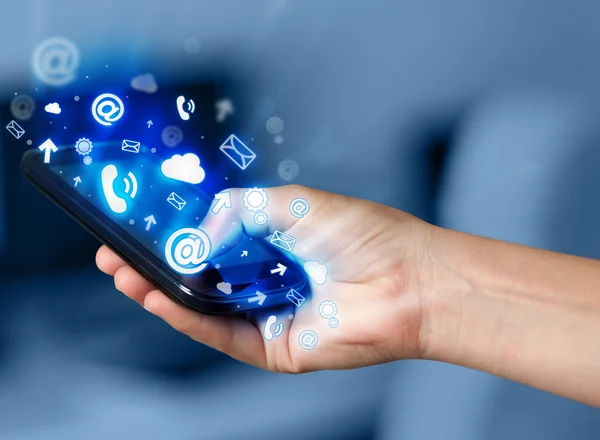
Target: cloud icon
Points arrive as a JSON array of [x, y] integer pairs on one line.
[[316, 271], [225, 288], [144, 83], [53, 108], [185, 168]]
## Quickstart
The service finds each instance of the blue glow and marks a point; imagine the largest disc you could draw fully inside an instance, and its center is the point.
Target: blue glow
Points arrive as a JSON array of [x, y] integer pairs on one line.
[[115, 112]]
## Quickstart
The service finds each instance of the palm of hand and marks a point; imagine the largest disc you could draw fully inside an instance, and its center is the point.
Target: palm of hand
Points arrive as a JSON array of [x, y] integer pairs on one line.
[[370, 280]]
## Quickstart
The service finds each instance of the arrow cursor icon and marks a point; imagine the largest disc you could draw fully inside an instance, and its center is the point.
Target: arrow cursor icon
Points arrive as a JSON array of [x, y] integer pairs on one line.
[[48, 148], [259, 298], [222, 200], [150, 221], [280, 269], [244, 254], [150, 123], [77, 181]]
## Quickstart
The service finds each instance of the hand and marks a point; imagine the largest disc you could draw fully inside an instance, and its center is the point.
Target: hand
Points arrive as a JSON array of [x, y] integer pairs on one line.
[[375, 257]]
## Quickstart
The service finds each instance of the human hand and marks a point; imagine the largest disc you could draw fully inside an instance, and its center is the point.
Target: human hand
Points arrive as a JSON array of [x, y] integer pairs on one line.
[[376, 257]]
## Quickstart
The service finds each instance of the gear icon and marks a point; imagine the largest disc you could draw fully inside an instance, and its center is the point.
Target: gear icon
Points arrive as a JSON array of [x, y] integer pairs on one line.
[[84, 146], [328, 309], [255, 199], [260, 218], [87, 160], [333, 323]]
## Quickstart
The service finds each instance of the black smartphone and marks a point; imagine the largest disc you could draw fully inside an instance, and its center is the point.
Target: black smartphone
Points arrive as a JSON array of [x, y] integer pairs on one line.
[[144, 193]]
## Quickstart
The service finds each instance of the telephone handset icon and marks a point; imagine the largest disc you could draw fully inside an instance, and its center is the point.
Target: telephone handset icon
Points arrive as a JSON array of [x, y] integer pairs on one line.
[[184, 108], [116, 203]]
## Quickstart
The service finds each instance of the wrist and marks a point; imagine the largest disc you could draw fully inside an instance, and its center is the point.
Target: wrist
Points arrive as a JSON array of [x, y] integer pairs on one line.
[[438, 279]]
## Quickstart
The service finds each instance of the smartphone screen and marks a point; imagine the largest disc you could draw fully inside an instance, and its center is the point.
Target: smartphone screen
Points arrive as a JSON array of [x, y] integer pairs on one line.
[[137, 194]]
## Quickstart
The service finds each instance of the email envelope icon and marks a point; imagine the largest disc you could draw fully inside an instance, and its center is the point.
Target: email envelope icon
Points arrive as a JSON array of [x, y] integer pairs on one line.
[[238, 152], [295, 297], [283, 241], [176, 201], [15, 129], [130, 146]]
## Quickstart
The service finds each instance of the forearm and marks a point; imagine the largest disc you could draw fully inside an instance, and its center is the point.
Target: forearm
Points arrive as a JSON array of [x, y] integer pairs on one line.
[[524, 314]]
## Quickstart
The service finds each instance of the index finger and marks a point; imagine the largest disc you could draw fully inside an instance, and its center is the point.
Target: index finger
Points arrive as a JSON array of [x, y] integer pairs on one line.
[[261, 212]]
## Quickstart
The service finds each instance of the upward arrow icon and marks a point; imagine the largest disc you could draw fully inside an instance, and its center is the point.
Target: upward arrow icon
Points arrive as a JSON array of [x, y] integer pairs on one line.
[[150, 221], [48, 148], [222, 200]]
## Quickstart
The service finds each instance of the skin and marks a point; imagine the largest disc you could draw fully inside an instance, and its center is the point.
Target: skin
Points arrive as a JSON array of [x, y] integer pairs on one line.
[[405, 289]]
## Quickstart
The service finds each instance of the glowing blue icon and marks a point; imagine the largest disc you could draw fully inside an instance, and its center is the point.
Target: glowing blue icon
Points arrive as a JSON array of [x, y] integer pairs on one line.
[[272, 328], [185, 107], [117, 204], [224, 108], [22, 107], [87, 160], [255, 199], [150, 221], [175, 200], [308, 339], [84, 146], [48, 148], [328, 310], [15, 129], [288, 170], [187, 250], [184, 168], [222, 200], [283, 241], [280, 269], [259, 298], [144, 83], [260, 218], [238, 152], [55, 61], [53, 108], [295, 298], [299, 207], [131, 146], [107, 108], [316, 271], [172, 136]]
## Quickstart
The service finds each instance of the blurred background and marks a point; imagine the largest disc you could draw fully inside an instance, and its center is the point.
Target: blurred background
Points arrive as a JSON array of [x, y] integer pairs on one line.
[[474, 115]]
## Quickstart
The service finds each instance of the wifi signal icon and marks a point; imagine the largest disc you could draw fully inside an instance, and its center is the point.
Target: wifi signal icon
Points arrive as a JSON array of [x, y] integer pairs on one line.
[[131, 188], [185, 107], [278, 330]]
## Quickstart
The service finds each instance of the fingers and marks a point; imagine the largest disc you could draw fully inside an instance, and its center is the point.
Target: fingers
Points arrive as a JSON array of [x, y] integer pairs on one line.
[[272, 205], [108, 262], [132, 284], [233, 336]]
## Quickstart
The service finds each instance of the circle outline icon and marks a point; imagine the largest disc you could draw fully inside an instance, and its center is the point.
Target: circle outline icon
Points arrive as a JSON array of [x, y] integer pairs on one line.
[[17, 104], [66, 72], [171, 136], [313, 339], [255, 199], [206, 248], [303, 203], [100, 101], [288, 170], [260, 218], [80, 149]]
